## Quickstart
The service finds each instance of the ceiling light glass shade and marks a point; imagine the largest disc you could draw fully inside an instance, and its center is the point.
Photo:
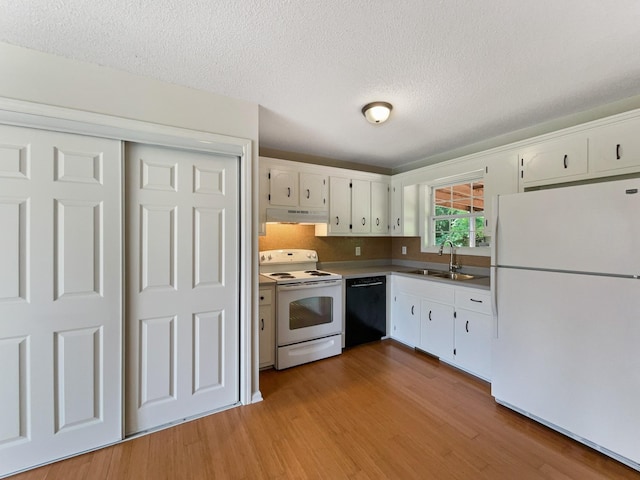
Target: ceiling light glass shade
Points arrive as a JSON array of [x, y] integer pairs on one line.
[[377, 112]]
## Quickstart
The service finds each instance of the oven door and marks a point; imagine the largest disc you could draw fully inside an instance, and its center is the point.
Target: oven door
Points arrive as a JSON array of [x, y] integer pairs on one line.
[[307, 311]]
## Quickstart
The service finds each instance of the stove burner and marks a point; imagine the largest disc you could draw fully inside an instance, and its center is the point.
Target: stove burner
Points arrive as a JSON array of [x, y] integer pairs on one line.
[[316, 273], [282, 275]]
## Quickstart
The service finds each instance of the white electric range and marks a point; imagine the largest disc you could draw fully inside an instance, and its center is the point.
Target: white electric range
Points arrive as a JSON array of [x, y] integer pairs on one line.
[[308, 306]]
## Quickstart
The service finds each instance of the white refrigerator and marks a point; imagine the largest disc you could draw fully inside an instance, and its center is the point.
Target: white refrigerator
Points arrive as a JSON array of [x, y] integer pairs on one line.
[[565, 280]]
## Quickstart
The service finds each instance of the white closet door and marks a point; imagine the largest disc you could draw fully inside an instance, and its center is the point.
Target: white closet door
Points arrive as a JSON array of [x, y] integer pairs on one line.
[[182, 274], [60, 295]]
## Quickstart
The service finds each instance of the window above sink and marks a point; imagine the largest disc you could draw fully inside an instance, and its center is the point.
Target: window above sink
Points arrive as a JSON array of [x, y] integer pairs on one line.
[[453, 210]]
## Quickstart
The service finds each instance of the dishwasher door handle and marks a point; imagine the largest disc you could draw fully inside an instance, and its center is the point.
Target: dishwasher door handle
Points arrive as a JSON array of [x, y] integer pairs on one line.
[[366, 285]]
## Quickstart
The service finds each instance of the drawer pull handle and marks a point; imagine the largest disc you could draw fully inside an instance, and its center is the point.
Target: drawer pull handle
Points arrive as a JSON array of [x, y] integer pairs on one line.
[[565, 161], [466, 327], [618, 151], [363, 221], [377, 222], [429, 315], [398, 221], [412, 307], [288, 191], [337, 220], [474, 300], [308, 193]]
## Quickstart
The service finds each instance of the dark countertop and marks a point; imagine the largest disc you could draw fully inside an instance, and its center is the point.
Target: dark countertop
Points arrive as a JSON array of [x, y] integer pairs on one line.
[[356, 271]]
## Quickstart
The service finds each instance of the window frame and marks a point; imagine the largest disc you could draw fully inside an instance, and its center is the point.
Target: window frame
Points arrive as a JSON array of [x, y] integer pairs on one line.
[[427, 222]]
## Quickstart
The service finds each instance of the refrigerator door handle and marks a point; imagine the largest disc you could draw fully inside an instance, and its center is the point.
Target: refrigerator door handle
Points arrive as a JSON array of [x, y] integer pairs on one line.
[[494, 297], [494, 229], [494, 260]]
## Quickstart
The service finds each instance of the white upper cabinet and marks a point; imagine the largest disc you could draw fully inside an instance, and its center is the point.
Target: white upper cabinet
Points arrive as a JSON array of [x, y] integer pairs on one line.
[[357, 202], [313, 190], [500, 178], [404, 209], [283, 187], [339, 206], [360, 206], [369, 207], [615, 148], [356, 207], [290, 188], [380, 208], [603, 148], [396, 207], [554, 161]]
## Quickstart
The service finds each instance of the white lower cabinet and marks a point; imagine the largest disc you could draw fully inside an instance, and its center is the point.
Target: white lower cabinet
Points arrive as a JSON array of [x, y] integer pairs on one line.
[[266, 327], [451, 322], [405, 318], [473, 327], [436, 329], [473, 342]]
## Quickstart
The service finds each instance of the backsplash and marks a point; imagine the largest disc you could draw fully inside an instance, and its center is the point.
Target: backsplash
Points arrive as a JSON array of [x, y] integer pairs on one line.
[[342, 249], [330, 249]]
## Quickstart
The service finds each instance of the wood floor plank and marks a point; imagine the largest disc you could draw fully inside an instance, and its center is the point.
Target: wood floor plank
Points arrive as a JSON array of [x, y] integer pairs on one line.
[[379, 410]]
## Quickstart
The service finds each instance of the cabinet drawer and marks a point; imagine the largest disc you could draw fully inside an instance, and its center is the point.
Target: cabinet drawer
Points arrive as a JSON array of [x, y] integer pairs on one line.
[[472, 299], [266, 296], [436, 291]]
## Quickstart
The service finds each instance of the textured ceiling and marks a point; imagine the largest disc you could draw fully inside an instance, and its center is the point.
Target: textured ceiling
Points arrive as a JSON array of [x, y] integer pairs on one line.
[[457, 71]]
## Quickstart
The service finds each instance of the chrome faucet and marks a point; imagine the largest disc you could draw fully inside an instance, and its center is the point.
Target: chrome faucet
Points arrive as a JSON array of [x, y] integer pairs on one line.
[[452, 267]]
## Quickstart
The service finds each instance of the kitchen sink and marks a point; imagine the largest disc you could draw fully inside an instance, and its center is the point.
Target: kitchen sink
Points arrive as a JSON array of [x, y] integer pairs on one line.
[[444, 274]]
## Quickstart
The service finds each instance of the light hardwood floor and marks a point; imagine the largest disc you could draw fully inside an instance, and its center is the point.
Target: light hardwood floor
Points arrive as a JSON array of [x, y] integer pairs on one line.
[[377, 411]]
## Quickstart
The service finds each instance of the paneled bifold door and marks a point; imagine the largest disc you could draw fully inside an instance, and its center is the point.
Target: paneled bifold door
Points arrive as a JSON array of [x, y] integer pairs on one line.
[[182, 324], [60, 295]]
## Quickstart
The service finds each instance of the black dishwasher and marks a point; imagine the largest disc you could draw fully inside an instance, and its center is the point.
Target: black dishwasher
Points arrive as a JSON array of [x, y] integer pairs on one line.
[[366, 312]]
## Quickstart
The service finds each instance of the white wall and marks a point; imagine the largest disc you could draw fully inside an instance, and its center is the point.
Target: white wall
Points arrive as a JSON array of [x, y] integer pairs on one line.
[[43, 78]]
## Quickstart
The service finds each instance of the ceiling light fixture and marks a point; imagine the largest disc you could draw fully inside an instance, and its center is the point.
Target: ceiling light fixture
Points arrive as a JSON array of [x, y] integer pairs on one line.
[[377, 112]]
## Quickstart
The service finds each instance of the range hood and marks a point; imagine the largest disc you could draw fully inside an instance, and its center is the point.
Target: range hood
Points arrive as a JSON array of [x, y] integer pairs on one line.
[[296, 215]]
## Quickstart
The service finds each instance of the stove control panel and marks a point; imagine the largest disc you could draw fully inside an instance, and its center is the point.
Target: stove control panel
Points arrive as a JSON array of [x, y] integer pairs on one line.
[[294, 255]]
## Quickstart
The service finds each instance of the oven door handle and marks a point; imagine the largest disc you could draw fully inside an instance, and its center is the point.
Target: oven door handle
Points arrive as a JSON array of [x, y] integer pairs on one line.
[[304, 286]]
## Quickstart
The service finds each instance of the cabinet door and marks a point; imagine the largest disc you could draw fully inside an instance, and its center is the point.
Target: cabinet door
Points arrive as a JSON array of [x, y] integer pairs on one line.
[[266, 335], [339, 205], [361, 206], [437, 329], [410, 211], [554, 161], [473, 342], [405, 318], [283, 187], [396, 208], [379, 208], [615, 148], [500, 178], [313, 190]]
